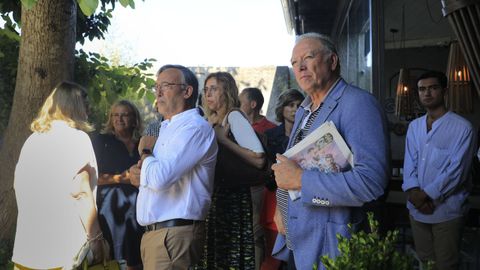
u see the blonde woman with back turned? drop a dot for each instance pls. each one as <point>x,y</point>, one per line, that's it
<point>54,182</point>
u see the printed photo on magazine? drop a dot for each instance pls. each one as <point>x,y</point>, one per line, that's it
<point>323,150</point>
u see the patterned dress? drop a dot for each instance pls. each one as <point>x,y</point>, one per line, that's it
<point>230,238</point>
<point>230,241</point>
<point>117,202</point>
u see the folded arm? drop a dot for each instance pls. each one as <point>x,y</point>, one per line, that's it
<point>247,146</point>
<point>458,167</point>
<point>253,158</point>
<point>182,153</point>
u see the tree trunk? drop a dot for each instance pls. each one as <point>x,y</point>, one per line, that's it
<point>46,57</point>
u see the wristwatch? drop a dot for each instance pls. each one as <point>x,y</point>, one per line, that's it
<point>146,151</point>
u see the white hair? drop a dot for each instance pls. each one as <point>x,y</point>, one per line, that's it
<point>328,44</point>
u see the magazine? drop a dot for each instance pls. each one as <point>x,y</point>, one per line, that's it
<point>323,150</point>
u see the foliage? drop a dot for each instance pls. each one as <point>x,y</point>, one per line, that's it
<point>107,83</point>
<point>88,7</point>
<point>94,26</point>
<point>9,30</point>
<point>89,25</point>
<point>368,251</point>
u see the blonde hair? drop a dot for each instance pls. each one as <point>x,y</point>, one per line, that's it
<point>230,92</point>
<point>138,126</point>
<point>68,103</point>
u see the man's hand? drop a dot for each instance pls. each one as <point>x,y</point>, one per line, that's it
<point>146,142</point>
<point>222,133</point>
<point>421,201</point>
<point>287,173</point>
<point>427,208</point>
<point>416,196</point>
<point>135,175</point>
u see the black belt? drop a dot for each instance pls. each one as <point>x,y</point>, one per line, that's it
<point>171,223</point>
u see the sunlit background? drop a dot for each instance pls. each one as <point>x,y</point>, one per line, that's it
<point>224,33</point>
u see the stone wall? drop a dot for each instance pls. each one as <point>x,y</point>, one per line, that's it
<point>271,80</point>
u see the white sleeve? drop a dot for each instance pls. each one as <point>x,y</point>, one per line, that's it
<point>244,133</point>
<point>162,170</point>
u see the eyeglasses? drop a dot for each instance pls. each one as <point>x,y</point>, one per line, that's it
<point>434,87</point>
<point>120,115</point>
<point>166,85</point>
<point>212,89</point>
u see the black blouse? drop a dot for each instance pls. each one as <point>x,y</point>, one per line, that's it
<point>112,154</point>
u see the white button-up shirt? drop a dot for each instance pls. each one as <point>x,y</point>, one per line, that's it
<point>438,162</point>
<point>177,181</point>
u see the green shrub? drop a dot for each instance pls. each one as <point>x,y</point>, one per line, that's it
<point>368,250</point>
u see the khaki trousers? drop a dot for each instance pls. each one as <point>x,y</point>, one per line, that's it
<point>439,242</point>
<point>173,248</point>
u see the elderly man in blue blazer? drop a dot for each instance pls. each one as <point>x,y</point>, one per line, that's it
<point>328,201</point>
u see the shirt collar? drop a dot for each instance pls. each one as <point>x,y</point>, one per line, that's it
<point>179,116</point>
<point>439,120</point>
<point>306,104</point>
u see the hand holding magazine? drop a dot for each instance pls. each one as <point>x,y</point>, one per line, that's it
<point>323,150</point>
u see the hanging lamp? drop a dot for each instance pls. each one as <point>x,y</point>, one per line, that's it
<point>459,90</point>
<point>403,99</point>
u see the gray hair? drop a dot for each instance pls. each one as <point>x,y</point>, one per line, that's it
<point>328,44</point>
<point>189,78</point>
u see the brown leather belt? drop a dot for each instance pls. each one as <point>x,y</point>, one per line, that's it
<point>171,223</point>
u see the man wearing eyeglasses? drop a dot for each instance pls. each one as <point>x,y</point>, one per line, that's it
<point>329,201</point>
<point>438,152</point>
<point>176,180</point>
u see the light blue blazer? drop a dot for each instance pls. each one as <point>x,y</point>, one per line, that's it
<point>312,225</point>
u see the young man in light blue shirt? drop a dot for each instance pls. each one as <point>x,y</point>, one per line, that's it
<point>438,152</point>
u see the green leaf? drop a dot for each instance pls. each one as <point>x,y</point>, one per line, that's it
<point>28,4</point>
<point>150,96</point>
<point>124,3</point>
<point>88,7</point>
<point>10,34</point>
<point>141,93</point>
<point>95,95</point>
<point>150,82</point>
